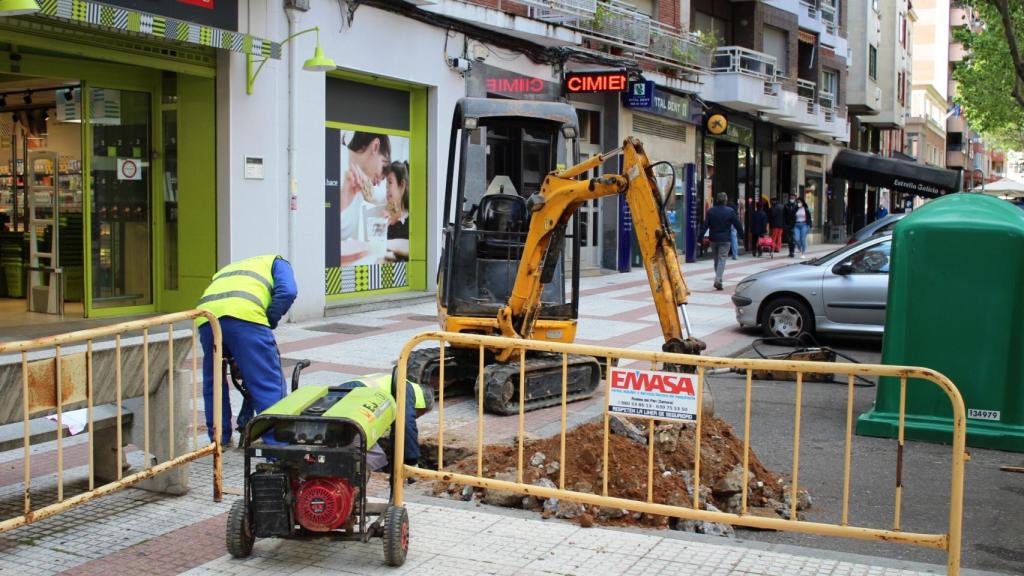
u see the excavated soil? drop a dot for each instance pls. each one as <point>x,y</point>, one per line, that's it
<point>721,471</point>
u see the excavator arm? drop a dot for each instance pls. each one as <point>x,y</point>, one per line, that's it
<point>559,198</point>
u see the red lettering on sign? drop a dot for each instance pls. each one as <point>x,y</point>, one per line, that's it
<point>641,381</point>
<point>595,82</point>
<point>208,4</point>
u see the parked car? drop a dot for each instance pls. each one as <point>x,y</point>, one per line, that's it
<point>844,291</point>
<point>880,226</point>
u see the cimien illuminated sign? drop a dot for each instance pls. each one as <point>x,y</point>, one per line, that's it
<point>610,81</point>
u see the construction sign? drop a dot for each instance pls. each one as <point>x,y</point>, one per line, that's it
<point>650,394</point>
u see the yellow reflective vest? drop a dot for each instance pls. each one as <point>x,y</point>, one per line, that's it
<point>383,381</point>
<point>241,290</point>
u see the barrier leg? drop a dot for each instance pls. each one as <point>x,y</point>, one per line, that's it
<point>174,481</point>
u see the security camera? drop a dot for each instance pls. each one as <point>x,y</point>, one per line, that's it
<point>460,64</point>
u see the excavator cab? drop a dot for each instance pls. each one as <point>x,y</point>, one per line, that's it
<point>498,158</point>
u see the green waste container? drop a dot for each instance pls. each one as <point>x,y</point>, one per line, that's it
<point>956,305</point>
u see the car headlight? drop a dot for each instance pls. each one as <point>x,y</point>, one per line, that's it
<point>744,286</point>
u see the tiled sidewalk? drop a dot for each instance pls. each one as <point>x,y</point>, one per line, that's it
<point>137,532</point>
<point>447,540</point>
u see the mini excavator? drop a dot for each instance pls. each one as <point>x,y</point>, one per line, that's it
<point>503,265</point>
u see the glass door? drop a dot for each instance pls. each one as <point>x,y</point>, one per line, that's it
<point>121,253</point>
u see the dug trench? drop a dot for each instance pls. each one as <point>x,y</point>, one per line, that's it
<point>720,487</point>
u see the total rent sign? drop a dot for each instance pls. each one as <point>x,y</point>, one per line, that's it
<point>649,394</point>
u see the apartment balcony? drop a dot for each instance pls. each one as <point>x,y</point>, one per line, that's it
<point>958,16</point>
<point>955,159</point>
<point>957,52</point>
<point>791,6</point>
<point>743,79</point>
<point>620,24</point>
<point>799,110</point>
<point>956,124</point>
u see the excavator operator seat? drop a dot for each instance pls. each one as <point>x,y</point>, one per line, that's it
<point>502,223</point>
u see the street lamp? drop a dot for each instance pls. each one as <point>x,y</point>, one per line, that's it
<point>318,63</point>
<point>18,7</point>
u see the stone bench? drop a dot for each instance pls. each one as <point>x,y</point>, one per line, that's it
<point>104,365</point>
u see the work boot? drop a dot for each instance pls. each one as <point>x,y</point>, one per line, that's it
<point>718,285</point>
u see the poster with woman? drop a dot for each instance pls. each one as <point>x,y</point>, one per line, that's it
<point>367,210</point>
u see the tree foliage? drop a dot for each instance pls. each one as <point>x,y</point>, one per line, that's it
<point>991,80</point>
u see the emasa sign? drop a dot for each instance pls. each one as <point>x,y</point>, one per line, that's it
<point>650,394</point>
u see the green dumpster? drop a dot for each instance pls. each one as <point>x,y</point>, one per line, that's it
<point>956,305</point>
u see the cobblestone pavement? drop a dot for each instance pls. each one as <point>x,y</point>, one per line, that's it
<point>139,532</point>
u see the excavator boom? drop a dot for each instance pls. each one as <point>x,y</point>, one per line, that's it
<point>560,196</point>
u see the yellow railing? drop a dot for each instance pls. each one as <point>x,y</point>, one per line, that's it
<point>34,388</point>
<point>948,541</point>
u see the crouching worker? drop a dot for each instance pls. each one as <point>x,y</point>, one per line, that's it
<point>248,298</point>
<point>418,401</point>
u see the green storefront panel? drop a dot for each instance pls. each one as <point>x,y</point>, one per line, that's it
<point>956,305</point>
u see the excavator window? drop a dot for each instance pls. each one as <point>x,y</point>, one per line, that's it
<point>502,161</point>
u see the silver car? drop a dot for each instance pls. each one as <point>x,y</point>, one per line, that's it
<point>844,291</point>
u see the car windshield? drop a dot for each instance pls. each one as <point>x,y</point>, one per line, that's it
<point>823,259</point>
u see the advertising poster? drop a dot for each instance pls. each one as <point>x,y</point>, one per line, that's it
<point>366,210</point>
<point>649,394</point>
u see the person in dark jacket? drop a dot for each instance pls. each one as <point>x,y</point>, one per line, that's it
<point>777,221</point>
<point>721,221</point>
<point>789,211</point>
<point>760,226</point>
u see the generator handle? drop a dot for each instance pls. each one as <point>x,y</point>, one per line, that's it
<point>295,373</point>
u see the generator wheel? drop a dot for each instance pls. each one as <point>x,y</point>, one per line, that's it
<point>239,536</point>
<point>396,535</point>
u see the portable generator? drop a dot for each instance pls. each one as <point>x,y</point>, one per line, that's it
<point>313,483</point>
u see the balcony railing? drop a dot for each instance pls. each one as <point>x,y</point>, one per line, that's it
<point>826,99</point>
<point>617,23</point>
<point>686,49</point>
<point>805,89</point>
<point>811,8</point>
<point>828,18</point>
<point>736,59</point>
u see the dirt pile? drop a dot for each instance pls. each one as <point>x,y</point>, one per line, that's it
<point>721,473</point>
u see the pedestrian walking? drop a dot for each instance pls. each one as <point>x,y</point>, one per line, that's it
<point>760,226</point>
<point>777,221</point>
<point>803,225</point>
<point>248,298</point>
<point>789,215</point>
<point>734,243</point>
<point>722,222</point>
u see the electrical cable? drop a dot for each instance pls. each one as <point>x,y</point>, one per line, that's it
<point>802,343</point>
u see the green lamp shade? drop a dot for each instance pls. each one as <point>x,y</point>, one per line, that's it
<point>18,7</point>
<point>318,63</point>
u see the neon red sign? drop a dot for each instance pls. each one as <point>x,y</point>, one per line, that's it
<point>515,85</point>
<point>595,82</point>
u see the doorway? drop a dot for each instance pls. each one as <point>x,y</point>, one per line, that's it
<point>76,186</point>
<point>42,221</point>
<point>589,213</point>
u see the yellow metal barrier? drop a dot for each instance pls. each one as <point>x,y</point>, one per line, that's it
<point>36,391</point>
<point>949,541</point>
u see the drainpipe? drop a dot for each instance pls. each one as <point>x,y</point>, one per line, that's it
<point>293,184</point>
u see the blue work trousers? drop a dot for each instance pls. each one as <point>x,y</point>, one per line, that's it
<point>255,352</point>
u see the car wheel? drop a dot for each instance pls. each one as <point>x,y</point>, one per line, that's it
<point>786,317</point>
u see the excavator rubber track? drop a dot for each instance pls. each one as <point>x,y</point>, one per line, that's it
<point>460,367</point>
<point>543,382</point>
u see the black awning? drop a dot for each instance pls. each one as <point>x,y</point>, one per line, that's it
<point>898,175</point>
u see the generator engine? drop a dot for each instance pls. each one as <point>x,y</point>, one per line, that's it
<point>323,504</point>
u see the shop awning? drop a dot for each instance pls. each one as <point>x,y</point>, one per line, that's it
<point>119,19</point>
<point>898,175</point>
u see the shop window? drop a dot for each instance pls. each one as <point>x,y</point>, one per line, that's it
<point>169,117</point>
<point>371,224</point>
<point>590,126</point>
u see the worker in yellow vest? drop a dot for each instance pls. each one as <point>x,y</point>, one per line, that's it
<point>249,298</point>
<point>418,401</point>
